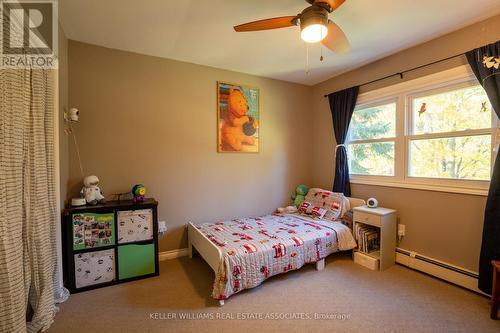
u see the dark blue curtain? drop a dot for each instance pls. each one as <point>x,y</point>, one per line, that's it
<point>342,104</point>
<point>485,63</point>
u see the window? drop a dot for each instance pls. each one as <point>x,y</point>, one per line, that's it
<point>372,134</point>
<point>451,134</point>
<point>436,133</point>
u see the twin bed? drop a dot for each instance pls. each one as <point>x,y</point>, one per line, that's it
<point>244,252</point>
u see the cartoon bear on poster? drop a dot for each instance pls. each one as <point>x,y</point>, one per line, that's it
<point>238,128</point>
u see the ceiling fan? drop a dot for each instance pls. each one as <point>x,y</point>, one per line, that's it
<point>315,26</point>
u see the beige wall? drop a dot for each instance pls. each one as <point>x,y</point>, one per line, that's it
<point>441,225</point>
<point>63,104</point>
<point>153,121</point>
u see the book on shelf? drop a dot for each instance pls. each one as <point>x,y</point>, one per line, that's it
<point>368,237</point>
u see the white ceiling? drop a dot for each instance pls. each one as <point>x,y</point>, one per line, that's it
<point>200,31</point>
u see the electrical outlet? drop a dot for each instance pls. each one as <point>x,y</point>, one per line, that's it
<point>401,230</point>
<point>162,227</point>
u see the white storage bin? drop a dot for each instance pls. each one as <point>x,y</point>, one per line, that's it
<point>94,267</point>
<point>135,225</point>
<point>366,260</point>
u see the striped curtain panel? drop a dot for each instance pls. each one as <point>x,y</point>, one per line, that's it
<point>27,196</point>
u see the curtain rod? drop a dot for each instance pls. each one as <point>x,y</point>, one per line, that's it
<point>400,74</point>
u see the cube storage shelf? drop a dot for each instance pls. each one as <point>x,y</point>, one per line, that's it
<point>109,244</point>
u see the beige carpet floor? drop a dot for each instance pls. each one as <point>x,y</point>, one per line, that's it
<point>349,298</point>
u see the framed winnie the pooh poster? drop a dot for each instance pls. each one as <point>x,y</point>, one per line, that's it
<point>237,118</point>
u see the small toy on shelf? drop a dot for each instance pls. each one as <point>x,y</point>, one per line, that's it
<point>91,191</point>
<point>118,196</point>
<point>138,193</point>
<point>299,195</point>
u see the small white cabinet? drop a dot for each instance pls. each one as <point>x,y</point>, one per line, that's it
<point>385,220</point>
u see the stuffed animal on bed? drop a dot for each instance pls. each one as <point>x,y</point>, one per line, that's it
<point>238,128</point>
<point>287,210</point>
<point>299,195</point>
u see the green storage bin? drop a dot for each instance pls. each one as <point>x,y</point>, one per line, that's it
<point>135,260</point>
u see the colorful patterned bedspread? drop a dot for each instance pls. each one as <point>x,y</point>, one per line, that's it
<point>256,248</point>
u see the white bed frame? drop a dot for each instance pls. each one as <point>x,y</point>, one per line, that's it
<point>212,253</point>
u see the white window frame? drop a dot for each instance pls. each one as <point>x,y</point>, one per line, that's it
<point>371,104</point>
<point>404,93</point>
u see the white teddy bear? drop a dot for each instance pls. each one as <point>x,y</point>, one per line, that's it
<point>287,210</point>
<point>91,192</point>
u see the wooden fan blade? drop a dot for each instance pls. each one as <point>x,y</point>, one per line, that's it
<point>336,39</point>
<point>334,4</point>
<point>272,23</point>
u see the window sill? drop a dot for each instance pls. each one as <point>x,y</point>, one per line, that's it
<point>420,186</point>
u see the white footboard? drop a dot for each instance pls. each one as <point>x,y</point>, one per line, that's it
<point>208,250</point>
<point>320,265</point>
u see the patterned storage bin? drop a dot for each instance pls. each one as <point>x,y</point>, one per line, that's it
<point>92,230</point>
<point>94,267</point>
<point>135,225</point>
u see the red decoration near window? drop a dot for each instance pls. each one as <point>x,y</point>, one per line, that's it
<point>423,108</point>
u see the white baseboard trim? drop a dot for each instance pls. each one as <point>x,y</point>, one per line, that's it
<point>167,255</point>
<point>440,269</point>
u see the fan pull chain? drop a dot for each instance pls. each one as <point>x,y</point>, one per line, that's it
<point>321,45</point>
<point>307,60</point>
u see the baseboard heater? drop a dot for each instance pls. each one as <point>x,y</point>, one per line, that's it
<point>442,270</point>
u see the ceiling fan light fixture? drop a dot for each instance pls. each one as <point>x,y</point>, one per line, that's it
<point>314,33</point>
<point>313,24</point>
